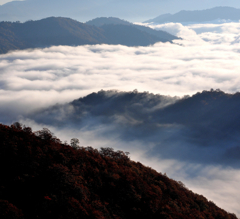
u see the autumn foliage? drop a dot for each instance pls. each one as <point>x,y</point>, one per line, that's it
<point>44,178</point>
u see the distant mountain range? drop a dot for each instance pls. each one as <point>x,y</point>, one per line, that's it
<point>65,31</point>
<point>131,10</point>
<point>213,14</point>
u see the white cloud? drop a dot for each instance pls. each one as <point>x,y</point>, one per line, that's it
<point>219,33</point>
<point>163,68</point>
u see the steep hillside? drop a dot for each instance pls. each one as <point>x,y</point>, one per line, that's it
<point>43,178</point>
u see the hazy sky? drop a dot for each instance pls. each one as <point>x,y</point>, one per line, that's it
<point>6,1</point>
<point>3,2</point>
<point>184,3</point>
<point>207,57</point>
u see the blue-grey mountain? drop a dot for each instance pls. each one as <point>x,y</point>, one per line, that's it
<point>203,128</point>
<point>199,16</point>
<point>103,21</point>
<point>65,31</point>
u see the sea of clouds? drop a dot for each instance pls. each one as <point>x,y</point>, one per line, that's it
<point>208,56</point>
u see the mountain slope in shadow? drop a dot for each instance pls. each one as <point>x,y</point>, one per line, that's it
<point>55,31</point>
<point>59,181</point>
<point>206,121</point>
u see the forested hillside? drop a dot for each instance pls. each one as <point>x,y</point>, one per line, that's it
<point>54,31</point>
<point>43,178</point>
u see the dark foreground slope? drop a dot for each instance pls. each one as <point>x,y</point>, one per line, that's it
<point>56,31</point>
<point>43,178</point>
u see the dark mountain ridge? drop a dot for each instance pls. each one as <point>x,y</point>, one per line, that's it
<point>198,16</point>
<point>48,32</point>
<point>65,31</point>
<point>207,121</point>
<point>43,178</point>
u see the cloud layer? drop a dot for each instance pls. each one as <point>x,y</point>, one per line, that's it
<point>207,57</point>
<point>60,74</point>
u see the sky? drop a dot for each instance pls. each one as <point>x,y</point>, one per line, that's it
<point>2,2</point>
<point>206,58</point>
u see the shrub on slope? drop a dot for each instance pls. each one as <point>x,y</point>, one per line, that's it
<point>43,178</point>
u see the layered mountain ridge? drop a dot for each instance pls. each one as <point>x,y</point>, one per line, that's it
<point>207,121</point>
<point>55,31</point>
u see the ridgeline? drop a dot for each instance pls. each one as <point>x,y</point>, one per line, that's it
<point>55,31</point>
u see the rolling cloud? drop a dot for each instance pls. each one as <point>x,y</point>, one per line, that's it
<point>60,74</point>
<point>208,57</point>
